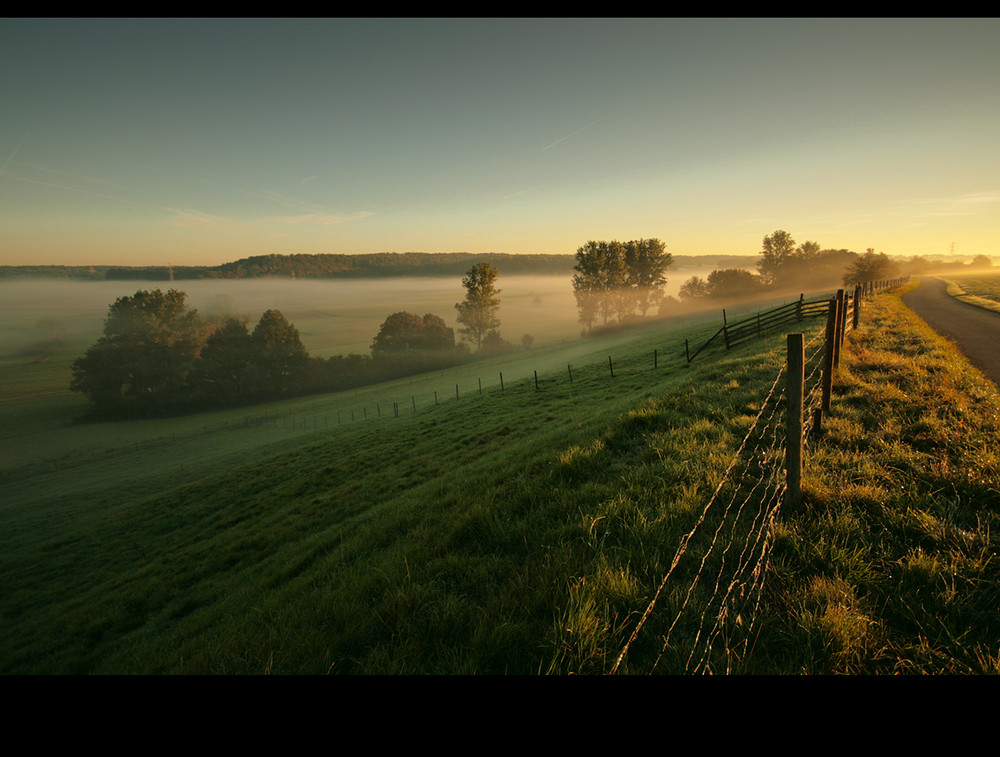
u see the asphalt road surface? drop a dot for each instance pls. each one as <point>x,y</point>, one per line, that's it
<point>976,332</point>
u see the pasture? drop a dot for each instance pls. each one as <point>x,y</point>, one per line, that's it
<point>514,530</point>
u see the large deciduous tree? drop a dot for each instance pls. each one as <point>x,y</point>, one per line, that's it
<point>226,367</point>
<point>150,342</point>
<point>725,284</point>
<point>278,352</point>
<point>871,266</point>
<point>406,333</point>
<point>478,311</point>
<point>646,262</point>
<point>777,250</point>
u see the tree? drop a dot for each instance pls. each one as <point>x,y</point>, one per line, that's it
<point>728,283</point>
<point>646,262</point>
<point>226,367</point>
<point>776,251</point>
<point>870,267</point>
<point>694,288</point>
<point>278,353</point>
<point>403,333</point>
<point>151,341</point>
<point>599,281</point>
<point>732,283</point>
<point>478,311</point>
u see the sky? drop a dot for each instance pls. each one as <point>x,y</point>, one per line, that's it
<point>201,141</point>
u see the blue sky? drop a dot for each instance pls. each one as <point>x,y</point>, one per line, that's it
<point>197,141</point>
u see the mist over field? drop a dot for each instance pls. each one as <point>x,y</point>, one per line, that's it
<point>333,316</point>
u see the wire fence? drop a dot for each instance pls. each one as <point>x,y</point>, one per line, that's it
<point>710,597</point>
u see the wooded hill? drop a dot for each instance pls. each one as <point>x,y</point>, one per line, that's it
<point>375,265</point>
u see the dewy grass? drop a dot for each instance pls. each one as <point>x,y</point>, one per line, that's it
<point>519,531</point>
<point>901,508</point>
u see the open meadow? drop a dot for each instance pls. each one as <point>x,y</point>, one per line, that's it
<point>427,526</point>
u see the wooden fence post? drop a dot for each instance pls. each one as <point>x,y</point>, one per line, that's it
<point>857,307</point>
<point>611,367</point>
<point>843,325</point>
<point>725,328</point>
<point>793,432</point>
<point>837,336</point>
<point>828,357</point>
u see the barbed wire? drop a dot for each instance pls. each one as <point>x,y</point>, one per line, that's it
<point>753,488</point>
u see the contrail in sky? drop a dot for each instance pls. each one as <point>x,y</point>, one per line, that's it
<point>573,134</point>
<point>11,156</point>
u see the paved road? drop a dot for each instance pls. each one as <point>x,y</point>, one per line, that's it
<point>975,331</point>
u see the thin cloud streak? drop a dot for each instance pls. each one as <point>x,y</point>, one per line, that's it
<point>11,156</point>
<point>573,134</point>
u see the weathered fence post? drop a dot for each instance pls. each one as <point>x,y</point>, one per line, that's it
<point>828,357</point>
<point>687,351</point>
<point>857,306</point>
<point>611,367</point>
<point>655,366</point>
<point>843,323</point>
<point>793,432</point>
<point>501,381</point>
<point>536,381</point>
<point>837,326</point>
<point>725,328</point>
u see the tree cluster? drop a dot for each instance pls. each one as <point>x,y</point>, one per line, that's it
<point>156,354</point>
<point>871,266</point>
<point>616,280</point>
<point>785,265</point>
<point>725,284</point>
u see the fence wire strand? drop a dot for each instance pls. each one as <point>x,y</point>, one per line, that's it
<point>728,578</point>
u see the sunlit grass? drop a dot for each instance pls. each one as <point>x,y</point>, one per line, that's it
<point>515,531</point>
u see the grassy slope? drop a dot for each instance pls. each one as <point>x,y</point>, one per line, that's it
<point>519,532</point>
<point>137,555</point>
<point>891,564</point>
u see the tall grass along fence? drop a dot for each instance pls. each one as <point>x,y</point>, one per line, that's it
<point>707,603</point>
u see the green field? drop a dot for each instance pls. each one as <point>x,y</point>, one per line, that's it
<point>981,289</point>
<point>514,531</point>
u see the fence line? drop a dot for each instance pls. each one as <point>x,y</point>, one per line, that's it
<point>749,503</point>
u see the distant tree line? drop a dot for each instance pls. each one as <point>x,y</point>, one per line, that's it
<point>786,266</point>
